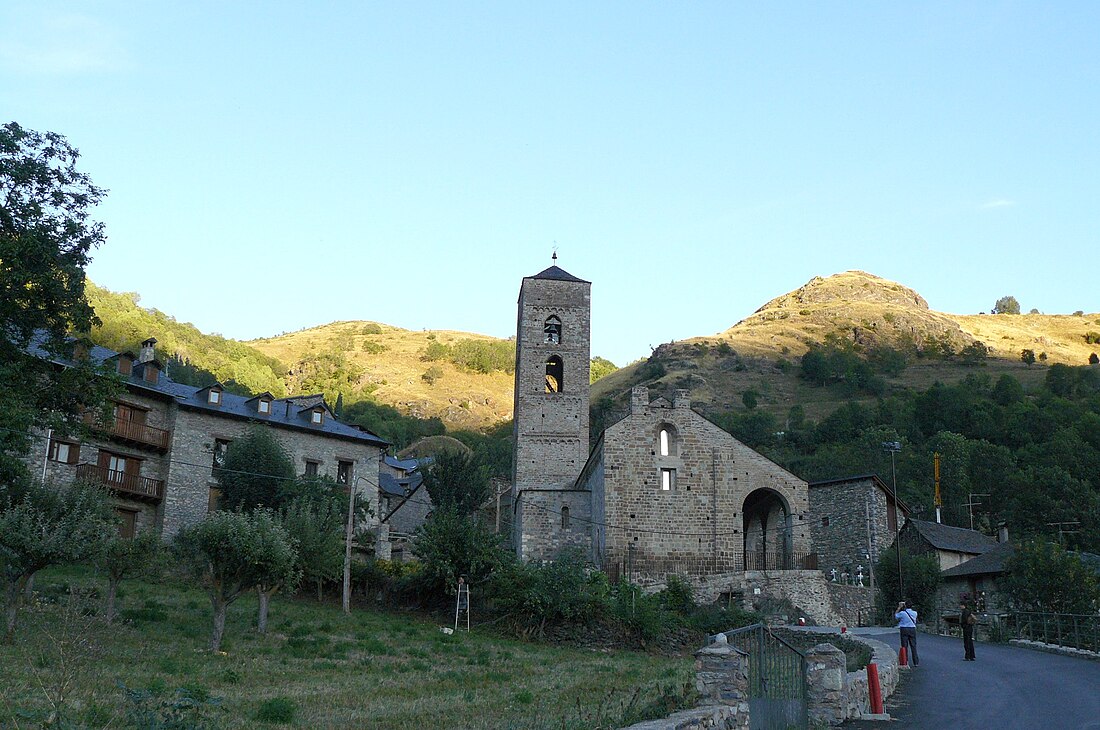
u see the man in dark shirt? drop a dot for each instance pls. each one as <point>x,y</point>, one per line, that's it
<point>968,620</point>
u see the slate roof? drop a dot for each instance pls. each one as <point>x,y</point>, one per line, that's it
<point>988,563</point>
<point>402,464</point>
<point>557,274</point>
<point>957,539</point>
<point>290,412</point>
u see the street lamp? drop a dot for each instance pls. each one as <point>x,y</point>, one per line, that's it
<point>894,447</point>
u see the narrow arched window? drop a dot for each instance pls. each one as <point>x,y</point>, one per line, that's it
<point>552,330</point>
<point>565,518</point>
<point>555,370</point>
<point>664,439</point>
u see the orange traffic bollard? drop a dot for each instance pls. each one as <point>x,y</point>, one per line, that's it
<point>874,688</point>
<point>903,657</point>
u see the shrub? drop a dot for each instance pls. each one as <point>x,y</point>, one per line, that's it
<point>537,594</point>
<point>279,710</point>
<point>1092,338</point>
<point>372,329</point>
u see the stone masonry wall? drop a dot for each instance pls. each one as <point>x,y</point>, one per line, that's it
<point>837,695</point>
<point>190,478</point>
<point>854,604</point>
<point>697,527</point>
<point>857,528</point>
<point>721,676</point>
<point>806,589</point>
<point>540,512</point>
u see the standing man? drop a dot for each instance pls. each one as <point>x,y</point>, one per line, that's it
<point>907,624</point>
<point>968,620</point>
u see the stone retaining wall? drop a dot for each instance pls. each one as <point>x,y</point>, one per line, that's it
<point>837,695</point>
<point>855,604</point>
<point>721,676</point>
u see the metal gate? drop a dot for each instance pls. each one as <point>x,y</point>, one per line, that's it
<point>777,679</point>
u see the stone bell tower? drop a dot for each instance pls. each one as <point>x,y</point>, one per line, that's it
<point>551,414</point>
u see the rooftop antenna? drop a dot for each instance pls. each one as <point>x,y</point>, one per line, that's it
<point>554,258</point>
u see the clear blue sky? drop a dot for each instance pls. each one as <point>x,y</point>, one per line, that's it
<point>278,165</point>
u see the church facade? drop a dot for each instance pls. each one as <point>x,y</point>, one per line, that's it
<point>663,491</point>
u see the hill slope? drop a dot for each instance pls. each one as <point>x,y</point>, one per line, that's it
<point>388,364</point>
<point>761,352</point>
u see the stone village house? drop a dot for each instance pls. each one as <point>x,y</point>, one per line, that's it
<point>854,520</point>
<point>664,491</point>
<point>167,439</point>
<point>403,506</point>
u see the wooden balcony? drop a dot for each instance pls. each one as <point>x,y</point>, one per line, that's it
<point>130,485</point>
<point>135,433</point>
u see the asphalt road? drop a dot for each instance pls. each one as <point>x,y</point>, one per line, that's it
<point>1007,688</point>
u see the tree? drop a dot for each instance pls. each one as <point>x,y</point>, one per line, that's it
<point>255,470</point>
<point>449,545</point>
<point>1006,305</point>
<point>600,367</point>
<point>278,565</point>
<point>230,553</point>
<point>1042,576</point>
<point>123,557</point>
<point>45,238</point>
<point>317,526</point>
<point>48,525</point>
<point>457,480</point>
<point>749,398</point>
<point>1028,357</point>
<point>922,580</point>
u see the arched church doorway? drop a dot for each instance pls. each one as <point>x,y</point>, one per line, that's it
<point>768,527</point>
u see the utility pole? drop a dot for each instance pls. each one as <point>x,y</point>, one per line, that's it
<point>894,447</point>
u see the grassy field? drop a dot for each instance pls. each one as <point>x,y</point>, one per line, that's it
<point>316,668</point>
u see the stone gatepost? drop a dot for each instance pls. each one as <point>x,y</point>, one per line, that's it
<point>826,671</point>
<point>722,678</point>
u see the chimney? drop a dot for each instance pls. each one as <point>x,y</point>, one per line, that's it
<point>148,350</point>
<point>1002,532</point>
<point>681,399</point>
<point>639,399</point>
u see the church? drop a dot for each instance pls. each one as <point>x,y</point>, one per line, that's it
<point>663,491</point>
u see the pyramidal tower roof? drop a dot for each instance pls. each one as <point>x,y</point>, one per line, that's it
<point>557,273</point>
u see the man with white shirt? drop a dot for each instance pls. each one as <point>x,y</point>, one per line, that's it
<point>907,624</point>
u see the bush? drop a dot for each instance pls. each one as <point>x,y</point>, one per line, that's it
<point>537,594</point>
<point>280,710</point>
<point>450,545</point>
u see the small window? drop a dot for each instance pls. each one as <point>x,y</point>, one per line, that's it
<point>343,472</point>
<point>63,452</point>
<point>311,467</point>
<point>214,397</point>
<point>317,416</point>
<point>664,442</point>
<point>221,447</point>
<point>668,480</point>
<point>555,370</point>
<point>552,330</point>
<point>824,521</point>
<point>565,518</point>
<point>125,365</point>
<point>151,373</point>
<point>263,406</point>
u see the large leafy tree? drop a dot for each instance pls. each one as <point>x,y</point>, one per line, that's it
<point>1006,305</point>
<point>256,471</point>
<point>46,235</point>
<point>1042,576</point>
<point>457,480</point>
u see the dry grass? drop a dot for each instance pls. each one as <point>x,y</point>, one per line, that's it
<point>461,399</point>
<point>371,669</point>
